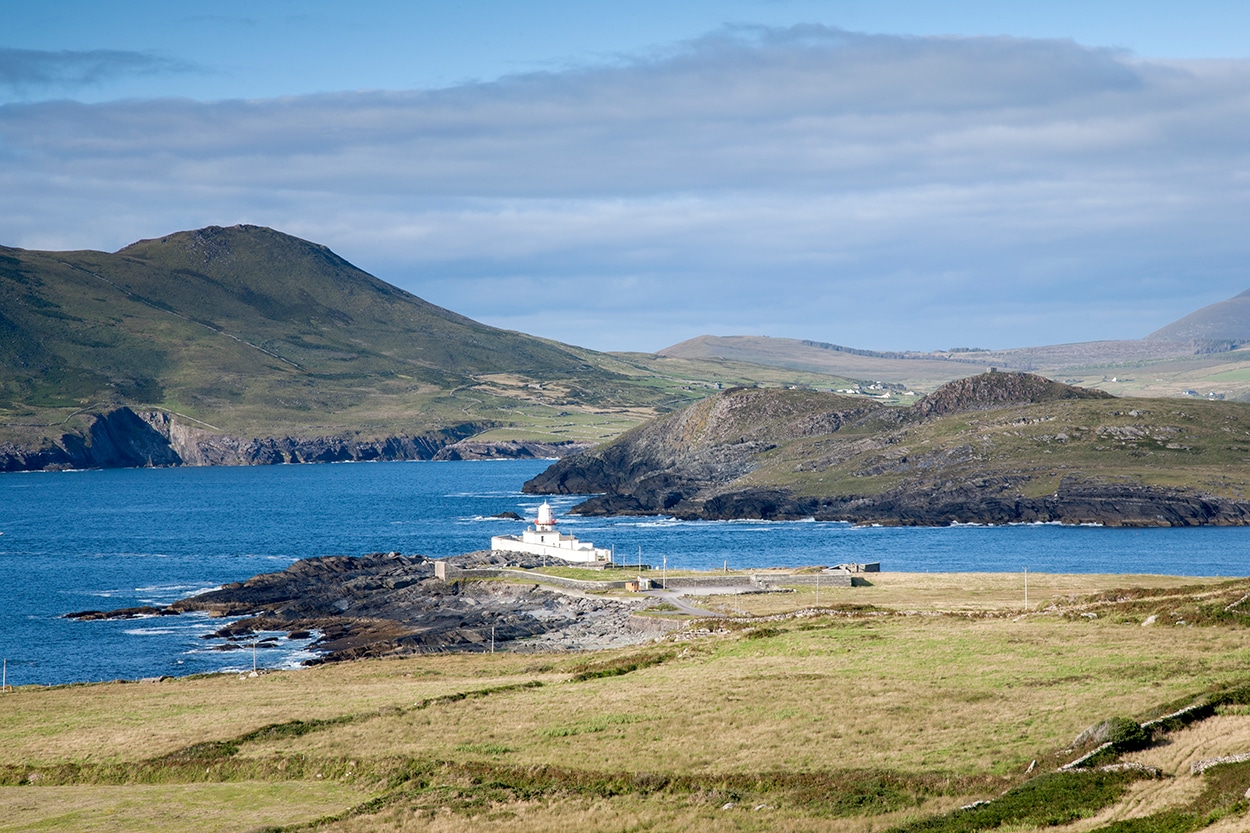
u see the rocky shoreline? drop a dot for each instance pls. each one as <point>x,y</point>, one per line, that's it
<point>388,604</point>
<point>1105,504</point>
<point>124,438</point>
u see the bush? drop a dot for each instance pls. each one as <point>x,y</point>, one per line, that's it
<point>1127,735</point>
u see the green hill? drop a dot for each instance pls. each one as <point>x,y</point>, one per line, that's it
<point>994,448</point>
<point>235,324</point>
<point>250,334</point>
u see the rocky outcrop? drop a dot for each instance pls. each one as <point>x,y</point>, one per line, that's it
<point>999,390</point>
<point>116,439</point>
<point>387,604</point>
<point>200,447</point>
<point>969,453</point>
<point>664,465</point>
<point>123,438</point>
<point>509,450</point>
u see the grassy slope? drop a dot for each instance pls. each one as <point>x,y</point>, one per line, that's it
<point>259,333</point>
<point>1165,442</point>
<point>834,721</point>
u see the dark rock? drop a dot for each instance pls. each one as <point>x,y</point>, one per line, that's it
<point>508,516</point>
<point>387,603</point>
<point>509,450</point>
<point>122,613</point>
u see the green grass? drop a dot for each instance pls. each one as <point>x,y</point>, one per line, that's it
<point>865,718</point>
<point>1047,801</point>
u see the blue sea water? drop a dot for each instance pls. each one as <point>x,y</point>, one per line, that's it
<point>122,538</point>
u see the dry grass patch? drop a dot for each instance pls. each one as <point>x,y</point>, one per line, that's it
<point>189,807</point>
<point>948,592</point>
<point>131,721</point>
<point>906,693</point>
<point>619,813</point>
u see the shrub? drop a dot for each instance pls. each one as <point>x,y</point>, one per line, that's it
<point>1126,734</point>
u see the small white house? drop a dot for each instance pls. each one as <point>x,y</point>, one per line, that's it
<point>544,539</point>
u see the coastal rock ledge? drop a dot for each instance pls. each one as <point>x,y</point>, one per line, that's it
<point>124,438</point>
<point>388,604</point>
<point>997,448</point>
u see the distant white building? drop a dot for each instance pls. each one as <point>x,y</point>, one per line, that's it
<point>544,539</point>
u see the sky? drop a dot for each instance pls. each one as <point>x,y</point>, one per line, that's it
<point>883,175</point>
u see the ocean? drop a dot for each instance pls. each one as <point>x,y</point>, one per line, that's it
<point>83,540</point>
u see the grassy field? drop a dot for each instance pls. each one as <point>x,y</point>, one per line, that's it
<point>883,707</point>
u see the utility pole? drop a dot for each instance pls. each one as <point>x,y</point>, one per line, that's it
<point>492,639</point>
<point>1026,588</point>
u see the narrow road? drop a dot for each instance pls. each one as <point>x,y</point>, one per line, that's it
<point>678,601</point>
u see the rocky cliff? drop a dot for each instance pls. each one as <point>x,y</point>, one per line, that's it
<point>996,448</point>
<point>123,438</point>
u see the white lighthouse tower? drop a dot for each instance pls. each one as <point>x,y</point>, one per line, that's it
<point>544,539</point>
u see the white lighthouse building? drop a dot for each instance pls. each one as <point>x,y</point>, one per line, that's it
<point>544,539</point>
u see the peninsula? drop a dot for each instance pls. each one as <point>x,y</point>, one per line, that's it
<point>993,448</point>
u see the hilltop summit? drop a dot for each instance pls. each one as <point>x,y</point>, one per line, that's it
<point>990,391</point>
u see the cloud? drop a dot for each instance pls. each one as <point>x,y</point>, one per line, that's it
<point>25,71</point>
<point>873,190</point>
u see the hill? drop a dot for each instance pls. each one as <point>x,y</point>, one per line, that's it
<point>1226,321</point>
<point>997,448</point>
<point>912,369</point>
<point>243,344</point>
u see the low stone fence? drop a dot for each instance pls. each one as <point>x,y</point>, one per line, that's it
<point>1199,767</point>
<point>678,582</point>
<point>806,579</point>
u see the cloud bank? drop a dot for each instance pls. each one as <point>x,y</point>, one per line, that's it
<point>879,191</point>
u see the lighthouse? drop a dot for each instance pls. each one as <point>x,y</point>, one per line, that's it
<point>544,539</point>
